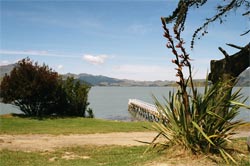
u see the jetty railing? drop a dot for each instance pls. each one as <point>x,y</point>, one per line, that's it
<point>142,110</point>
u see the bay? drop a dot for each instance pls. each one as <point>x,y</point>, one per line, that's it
<point>112,102</point>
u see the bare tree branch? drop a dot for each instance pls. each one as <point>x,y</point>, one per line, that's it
<point>235,46</point>
<point>245,33</point>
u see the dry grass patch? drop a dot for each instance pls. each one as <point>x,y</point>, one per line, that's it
<point>177,156</point>
<point>245,127</point>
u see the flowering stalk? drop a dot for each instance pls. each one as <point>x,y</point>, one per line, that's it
<point>181,60</point>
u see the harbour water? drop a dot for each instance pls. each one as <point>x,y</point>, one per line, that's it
<point>112,102</point>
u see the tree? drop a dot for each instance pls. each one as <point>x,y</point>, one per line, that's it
<point>77,97</point>
<point>35,89</point>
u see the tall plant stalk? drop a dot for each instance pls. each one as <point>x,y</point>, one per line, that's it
<point>181,60</point>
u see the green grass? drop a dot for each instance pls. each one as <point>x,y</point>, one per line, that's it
<point>116,156</point>
<point>17,125</point>
<point>95,155</point>
<point>90,155</point>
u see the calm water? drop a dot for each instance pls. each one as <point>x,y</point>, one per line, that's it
<point>112,102</point>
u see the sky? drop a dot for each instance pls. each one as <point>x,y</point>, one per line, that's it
<point>116,38</point>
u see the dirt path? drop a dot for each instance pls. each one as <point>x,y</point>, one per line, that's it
<point>45,142</point>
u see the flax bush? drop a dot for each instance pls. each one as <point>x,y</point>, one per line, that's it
<point>207,131</point>
<point>200,122</point>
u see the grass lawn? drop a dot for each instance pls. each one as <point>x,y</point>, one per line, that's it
<point>99,155</point>
<point>89,156</point>
<point>116,156</point>
<point>17,125</point>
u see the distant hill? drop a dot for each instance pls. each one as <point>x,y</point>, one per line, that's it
<point>6,69</point>
<point>94,80</point>
<point>244,78</point>
<point>99,80</point>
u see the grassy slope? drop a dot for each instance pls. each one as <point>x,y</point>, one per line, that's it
<point>16,125</point>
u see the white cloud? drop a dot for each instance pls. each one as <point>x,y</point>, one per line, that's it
<point>96,60</point>
<point>151,72</point>
<point>59,67</point>
<point>4,62</point>
<point>35,52</point>
<point>144,72</point>
<point>138,28</point>
<point>139,68</point>
<point>21,52</point>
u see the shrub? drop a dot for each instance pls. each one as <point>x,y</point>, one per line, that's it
<point>35,89</point>
<point>38,91</point>
<point>207,131</point>
<point>76,96</point>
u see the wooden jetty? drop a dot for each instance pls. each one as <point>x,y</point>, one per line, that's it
<point>143,111</point>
